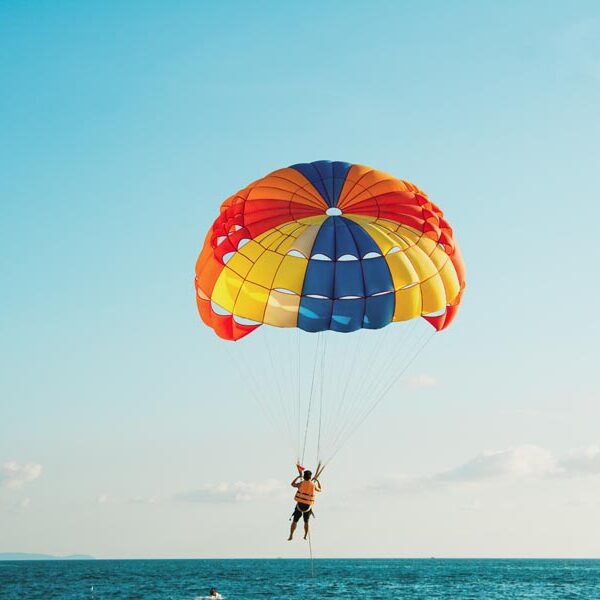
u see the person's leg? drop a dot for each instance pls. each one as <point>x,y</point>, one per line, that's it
<point>295,518</point>
<point>292,529</point>
<point>306,520</point>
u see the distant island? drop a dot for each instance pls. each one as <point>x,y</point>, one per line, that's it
<point>30,556</point>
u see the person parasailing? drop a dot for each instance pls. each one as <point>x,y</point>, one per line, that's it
<point>307,486</point>
<point>327,248</point>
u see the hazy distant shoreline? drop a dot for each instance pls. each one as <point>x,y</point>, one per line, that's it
<point>33,556</point>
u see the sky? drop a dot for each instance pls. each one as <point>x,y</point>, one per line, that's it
<point>125,430</point>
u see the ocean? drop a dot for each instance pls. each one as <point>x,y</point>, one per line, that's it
<point>239,579</point>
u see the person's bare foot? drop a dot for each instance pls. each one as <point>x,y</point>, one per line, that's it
<point>290,539</point>
<point>305,537</point>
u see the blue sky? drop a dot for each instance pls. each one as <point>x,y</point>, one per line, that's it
<point>125,125</point>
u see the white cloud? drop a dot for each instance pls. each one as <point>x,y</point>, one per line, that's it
<point>422,381</point>
<point>240,491</point>
<point>106,499</point>
<point>580,502</point>
<point>14,476</point>
<point>581,461</point>
<point>523,461</point>
<point>143,500</point>
<point>518,463</point>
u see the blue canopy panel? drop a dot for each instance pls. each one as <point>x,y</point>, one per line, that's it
<point>318,279</point>
<point>379,311</point>
<point>343,290</point>
<point>349,279</point>
<point>324,244</point>
<point>345,246</point>
<point>326,176</point>
<point>314,314</point>
<point>348,315</point>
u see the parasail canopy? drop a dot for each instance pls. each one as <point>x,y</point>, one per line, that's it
<point>328,246</point>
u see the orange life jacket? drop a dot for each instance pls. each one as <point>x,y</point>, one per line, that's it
<point>305,493</point>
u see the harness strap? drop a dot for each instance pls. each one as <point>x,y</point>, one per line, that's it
<point>310,509</point>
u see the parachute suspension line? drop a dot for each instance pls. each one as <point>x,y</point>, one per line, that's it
<point>246,376</point>
<point>299,372</point>
<point>323,355</point>
<point>365,348</point>
<point>410,353</point>
<point>380,397</point>
<point>376,360</point>
<point>283,405</point>
<point>422,343</point>
<point>285,356</point>
<point>320,469</point>
<point>344,369</point>
<point>381,367</point>
<point>292,358</point>
<point>370,354</point>
<point>406,345</point>
<point>362,410</point>
<point>310,398</point>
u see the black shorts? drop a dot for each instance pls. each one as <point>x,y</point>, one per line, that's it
<point>302,510</point>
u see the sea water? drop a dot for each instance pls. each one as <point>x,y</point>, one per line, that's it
<point>239,579</point>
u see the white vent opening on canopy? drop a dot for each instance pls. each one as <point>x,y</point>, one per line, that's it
<point>333,211</point>
<point>243,321</point>
<point>296,253</point>
<point>437,313</point>
<point>320,257</point>
<point>219,309</point>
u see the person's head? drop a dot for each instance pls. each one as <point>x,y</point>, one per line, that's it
<point>307,475</point>
<point>213,591</point>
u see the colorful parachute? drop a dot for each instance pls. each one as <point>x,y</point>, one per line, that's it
<point>328,246</point>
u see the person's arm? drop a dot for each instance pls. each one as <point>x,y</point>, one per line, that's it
<point>295,483</point>
<point>317,485</point>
